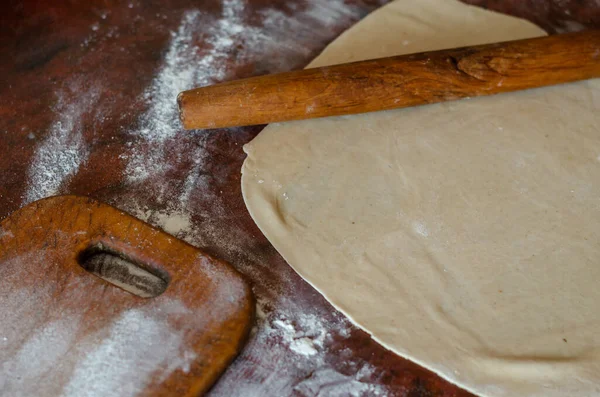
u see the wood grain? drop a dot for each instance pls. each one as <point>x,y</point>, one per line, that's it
<point>206,301</point>
<point>394,82</point>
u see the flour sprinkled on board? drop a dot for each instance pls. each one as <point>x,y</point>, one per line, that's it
<point>24,357</point>
<point>175,222</point>
<point>126,361</point>
<point>59,156</point>
<point>38,342</point>
<point>291,339</point>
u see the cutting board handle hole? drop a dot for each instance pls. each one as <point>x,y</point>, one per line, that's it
<point>119,270</point>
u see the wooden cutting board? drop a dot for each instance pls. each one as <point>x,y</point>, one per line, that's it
<point>67,331</point>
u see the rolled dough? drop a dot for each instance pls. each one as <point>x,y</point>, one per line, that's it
<point>463,236</point>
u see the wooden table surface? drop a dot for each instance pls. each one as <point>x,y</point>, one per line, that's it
<point>88,107</point>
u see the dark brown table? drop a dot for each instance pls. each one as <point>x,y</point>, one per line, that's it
<point>87,107</point>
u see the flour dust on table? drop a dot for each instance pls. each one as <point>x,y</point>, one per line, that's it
<point>291,339</point>
<point>63,150</point>
<point>464,235</point>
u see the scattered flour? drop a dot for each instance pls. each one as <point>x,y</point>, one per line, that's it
<point>118,360</point>
<point>184,67</point>
<point>23,373</point>
<point>62,152</point>
<point>6,233</point>
<point>291,339</point>
<point>305,338</point>
<point>126,361</point>
<point>329,383</point>
<point>175,222</point>
<point>160,123</point>
<point>303,346</point>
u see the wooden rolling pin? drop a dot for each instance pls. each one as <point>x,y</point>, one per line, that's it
<point>394,82</point>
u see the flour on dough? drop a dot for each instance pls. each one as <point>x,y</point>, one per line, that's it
<point>463,236</point>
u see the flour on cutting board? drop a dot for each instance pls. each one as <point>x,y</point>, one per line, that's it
<point>118,361</point>
<point>26,357</point>
<point>25,371</point>
<point>126,361</point>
